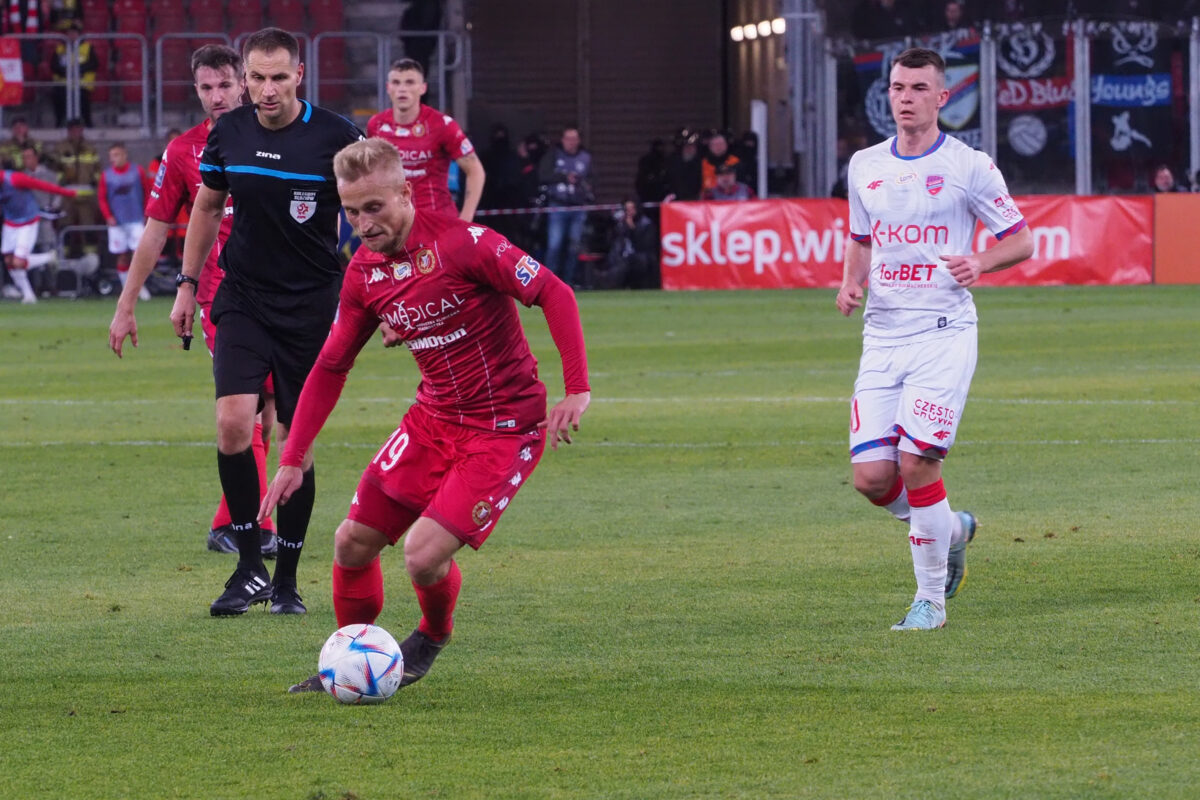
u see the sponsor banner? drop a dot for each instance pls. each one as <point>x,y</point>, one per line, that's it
<point>1174,250</point>
<point>1131,93</point>
<point>11,73</point>
<point>757,244</point>
<point>800,243</point>
<point>1081,241</point>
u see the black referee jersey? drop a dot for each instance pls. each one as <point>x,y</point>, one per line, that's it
<point>285,200</point>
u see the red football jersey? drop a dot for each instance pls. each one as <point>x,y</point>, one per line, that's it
<point>174,189</point>
<point>427,147</point>
<point>449,294</point>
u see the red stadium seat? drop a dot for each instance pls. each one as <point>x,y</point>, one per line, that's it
<point>103,92</point>
<point>287,14</point>
<point>245,16</point>
<point>98,21</point>
<point>332,60</point>
<point>325,15</point>
<point>130,70</point>
<point>171,20</point>
<point>133,23</point>
<point>93,5</point>
<point>123,9</point>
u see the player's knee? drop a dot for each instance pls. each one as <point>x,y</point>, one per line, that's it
<point>354,545</point>
<point>874,480</point>
<point>425,565</point>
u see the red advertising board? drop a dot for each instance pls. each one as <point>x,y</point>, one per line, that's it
<point>792,244</point>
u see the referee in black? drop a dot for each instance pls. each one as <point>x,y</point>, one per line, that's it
<point>280,292</point>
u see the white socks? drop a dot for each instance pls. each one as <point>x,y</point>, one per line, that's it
<point>933,525</point>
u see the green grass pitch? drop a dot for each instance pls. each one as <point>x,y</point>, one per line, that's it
<point>689,602</point>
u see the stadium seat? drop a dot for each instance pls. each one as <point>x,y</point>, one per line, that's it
<point>129,72</point>
<point>245,16</point>
<point>287,14</point>
<point>332,60</point>
<point>97,21</point>
<point>133,23</point>
<point>208,16</point>
<point>123,9</point>
<point>169,20</point>
<point>325,15</point>
<point>103,92</point>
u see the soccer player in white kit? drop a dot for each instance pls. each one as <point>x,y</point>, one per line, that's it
<point>914,202</point>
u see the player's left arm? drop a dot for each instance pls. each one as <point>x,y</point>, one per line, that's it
<point>988,197</point>
<point>475,176</point>
<point>508,269</point>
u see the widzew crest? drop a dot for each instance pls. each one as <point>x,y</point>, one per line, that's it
<point>425,261</point>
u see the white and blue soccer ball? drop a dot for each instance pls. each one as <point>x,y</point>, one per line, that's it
<point>361,664</point>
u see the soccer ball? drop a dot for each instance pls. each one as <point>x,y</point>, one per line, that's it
<point>361,664</point>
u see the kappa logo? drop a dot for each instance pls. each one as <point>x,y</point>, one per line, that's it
<point>475,232</point>
<point>385,128</point>
<point>425,261</point>
<point>377,275</point>
<point>401,270</point>
<point>515,480</point>
<point>873,185</point>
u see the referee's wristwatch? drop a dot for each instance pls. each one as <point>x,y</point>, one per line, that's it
<point>181,279</point>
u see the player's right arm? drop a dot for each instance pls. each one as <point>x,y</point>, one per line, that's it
<point>856,267</point>
<point>124,323</point>
<point>203,227</point>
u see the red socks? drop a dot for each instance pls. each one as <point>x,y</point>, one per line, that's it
<point>437,604</point>
<point>357,593</point>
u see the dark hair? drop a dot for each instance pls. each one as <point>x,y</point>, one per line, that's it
<point>114,145</point>
<point>917,57</point>
<point>406,64</point>
<point>217,57</point>
<point>268,40</point>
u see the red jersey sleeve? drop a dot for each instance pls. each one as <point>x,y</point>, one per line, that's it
<point>454,142</point>
<point>352,329</point>
<point>509,269</point>
<point>169,192</point>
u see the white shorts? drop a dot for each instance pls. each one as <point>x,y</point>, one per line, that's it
<point>911,397</point>
<point>19,239</point>
<point>123,238</point>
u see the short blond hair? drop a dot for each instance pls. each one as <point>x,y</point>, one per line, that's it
<point>355,161</point>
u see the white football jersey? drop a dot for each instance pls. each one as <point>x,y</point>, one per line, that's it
<point>912,210</point>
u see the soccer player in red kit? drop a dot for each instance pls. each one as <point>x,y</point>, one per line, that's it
<point>479,423</point>
<point>220,83</point>
<point>428,141</point>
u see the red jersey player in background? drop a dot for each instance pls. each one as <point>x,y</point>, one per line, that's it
<point>220,83</point>
<point>479,423</point>
<point>428,141</point>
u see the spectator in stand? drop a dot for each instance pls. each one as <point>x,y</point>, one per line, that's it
<point>954,17</point>
<point>1017,10</point>
<point>10,151</point>
<point>568,176</point>
<point>123,191</point>
<point>64,14</point>
<point>1164,181</point>
<point>839,188</point>
<point>80,166</point>
<point>684,175</point>
<point>718,155</point>
<point>88,65</point>
<point>652,182</point>
<point>745,150</point>
<point>632,260</point>
<point>503,186</point>
<point>728,187</point>
<point>886,19</point>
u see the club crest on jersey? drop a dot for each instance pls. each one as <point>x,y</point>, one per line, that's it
<point>401,270</point>
<point>934,183</point>
<point>418,129</point>
<point>303,205</point>
<point>527,270</point>
<point>425,261</point>
<point>481,512</point>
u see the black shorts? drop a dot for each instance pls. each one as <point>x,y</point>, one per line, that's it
<point>248,349</point>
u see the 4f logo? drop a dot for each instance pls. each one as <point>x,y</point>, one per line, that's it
<point>873,185</point>
<point>941,435</point>
<point>919,542</point>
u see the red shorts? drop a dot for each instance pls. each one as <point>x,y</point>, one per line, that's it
<point>209,331</point>
<point>461,478</point>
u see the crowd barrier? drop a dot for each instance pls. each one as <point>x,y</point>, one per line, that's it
<point>800,243</point>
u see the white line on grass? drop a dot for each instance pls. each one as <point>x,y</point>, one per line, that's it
<point>1020,401</point>
<point>641,445</point>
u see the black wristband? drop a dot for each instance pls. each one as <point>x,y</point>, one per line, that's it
<point>181,279</point>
